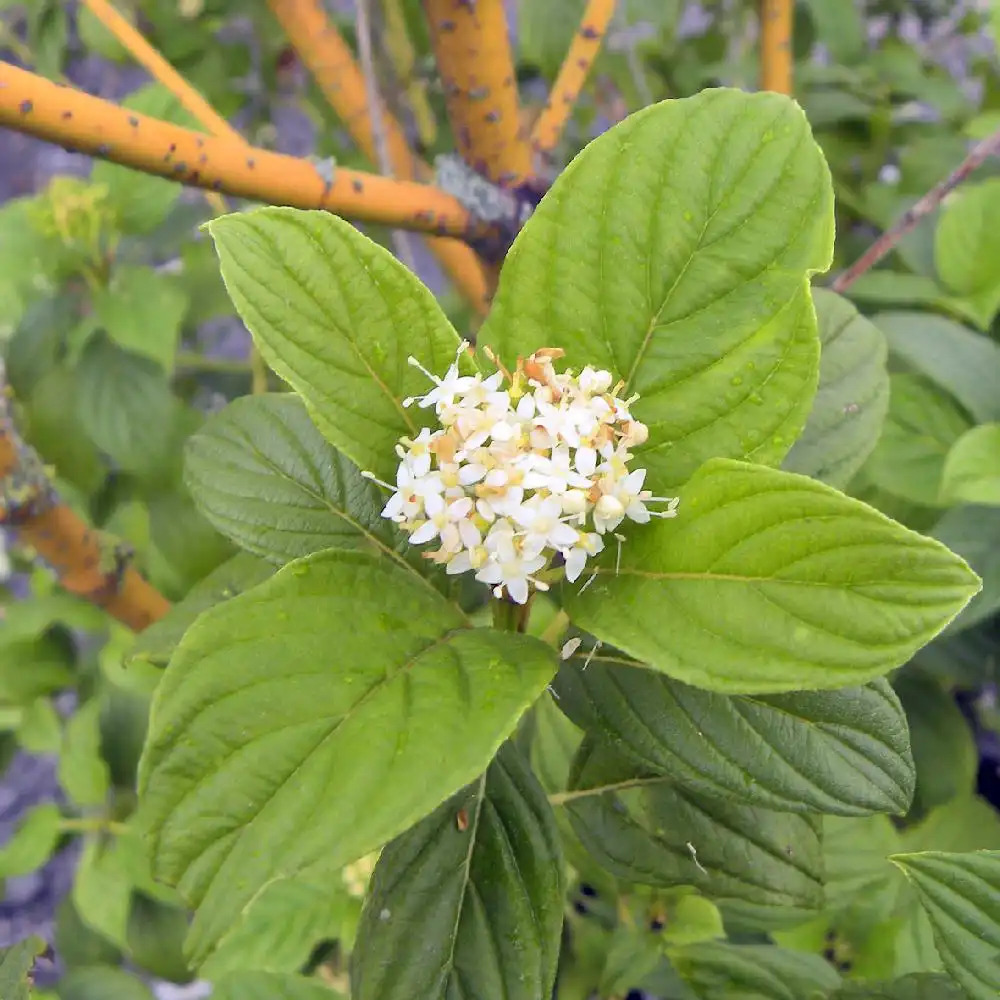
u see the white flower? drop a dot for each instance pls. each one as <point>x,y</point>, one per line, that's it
<point>519,475</point>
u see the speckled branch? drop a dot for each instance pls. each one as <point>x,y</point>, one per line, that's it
<point>572,75</point>
<point>85,563</point>
<point>31,104</point>
<point>472,49</point>
<point>776,45</point>
<point>329,59</point>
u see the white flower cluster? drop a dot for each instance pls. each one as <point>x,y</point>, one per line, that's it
<point>524,467</point>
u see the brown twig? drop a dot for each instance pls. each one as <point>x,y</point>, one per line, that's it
<point>339,77</point>
<point>573,73</point>
<point>930,201</point>
<point>476,67</point>
<point>31,104</point>
<point>85,563</point>
<point>776,45</point>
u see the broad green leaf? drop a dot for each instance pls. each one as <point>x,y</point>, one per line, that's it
<point>966,823</point>
<point>83,773</point>
<point>675,251</point>
<point>278,930</point>
<point>961,895</point>
<point>323,712</point>
<point>102,982</point>
<point>33,841</point>
<point>772,582</point>
<point>922,425</point>
<point>965,363</point>
<point>762,866</point>
<point>16,963</point>
<point>852,399</point>
<point>718,971</point>
<point>843,752</point>
<point>900,288</point>
<point>967,246</point>
<point>125,405</point>
<point>843,36</point>
<point>336,316</point>
<point>102,890</point>
<point>40,728</point>
<point>253,985</point>
<point>482,879</point>
<point>266,478</point>
<point>944,749</point>
<point>141,311</point>
<point>972,467</point>
<point>30,619</point>
<point>241,572</point>
<point>974,533</point>
<point>76,944</point>
<point>554,742</point>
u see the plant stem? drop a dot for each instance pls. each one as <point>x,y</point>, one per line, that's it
<point>508,616</point>
<point>95,824</point>
<point>776,45</point>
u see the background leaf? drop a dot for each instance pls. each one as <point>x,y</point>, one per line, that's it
<point>974,533</point>
<point>763,866</point>
<point>16,963</point>
<point>347,673</point>
<point>844,752</point>
<point>32,842</point>
<point>674,251</point>
<point>272,986</point>
<point>915,987</point>
<point>102,982</point>
<point>482,879</point>
<point>961,894</point>
<point>336,316</point>
<point>920,429</point>
<point>767,582</point>
<point>972,467</point>
<point>853,395</point>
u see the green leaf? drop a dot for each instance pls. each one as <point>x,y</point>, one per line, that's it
<point>554,743</point>
<point>482,879</point>
<point>922,425</point>
<point>966,823</point>
<point>32,843</point>
<point>844,752</point>
<point>30,619</point>
<point>243,571</point>
<point>40,728</point>
<point>974,533</point>
<point>772,582</point>
<point>964,363</point>
<point>961,895</point>
<point>336,315</point>
<point>844,36</point>
<point>967,246</point>
<point>675,251</point>
<point>718,971</point>
<point>916,987</point>
<point>858,880</point>
<point>278,930</point>
<point>343,672</point>
<point>29,670</point>
<point>102,890</point>
<point>83,773</point>
<point>944,749</point>
<point>125,405</point>
<point>266,478</point>
<point>885,288</point>
<point>853,396</point>
<point>762,866</point>
<point>141,310</point>
<point>271,986</point>
<point>16,963</point>
<point>102,982</point>
<point>972,467</point>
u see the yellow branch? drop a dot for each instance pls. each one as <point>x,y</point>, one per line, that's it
<point>329,59</point>
<point>36,106</point>
<point>583,51</point>
<point>776,45</point>
<point>476,67</point>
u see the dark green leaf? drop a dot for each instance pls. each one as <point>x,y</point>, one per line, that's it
<point>155,936</point>
<point>764,867</point>
<point>272,986</point>
<point>974,533</point>
<point>844,752</point>
<point>482,879</point>
<point>916,987</point>
<point>16,963</point>
<point>32,843</point>
<point>102,982</point>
